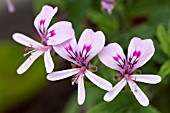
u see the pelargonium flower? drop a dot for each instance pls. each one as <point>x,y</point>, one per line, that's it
<point>108,5</point>
<point>89,45</point>
<point>56,34</point>
<point>10,6</point>
<point>139,52</point>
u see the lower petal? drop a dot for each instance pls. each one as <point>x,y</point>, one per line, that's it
<point>29,62</point>
<point>49,65</point>
<point>109,96</point>
<point>140,96</point>
<point>100,82</point>
<point>81,90</point>
<point>151,79</point>
<point>62,74</point>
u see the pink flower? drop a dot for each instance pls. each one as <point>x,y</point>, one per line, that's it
<point>139,52</point>
<point>56,34</point>
<point>89,45</point>
<point>108,5</point>
<point>10,6</point>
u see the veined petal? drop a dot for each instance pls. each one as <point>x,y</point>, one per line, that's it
<point>25,40</point>
<point>91,43</point>
<point>10,5</point>
<point>81,90</point>
<point>140,51</point>
<point>113,56</point>
<point>58,75</point>
<point>67,50</point>
<point>29,61</point>
<point>140,96</point>
<point>44,17</point>
<point>60,32</point>
<point>151,79</point>
<point>109,96</point>
<point>49,65</point>
<point>100,82</point>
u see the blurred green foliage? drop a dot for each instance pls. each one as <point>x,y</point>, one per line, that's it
<point>16,89</point>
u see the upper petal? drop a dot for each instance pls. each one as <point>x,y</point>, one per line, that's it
<point>10,5</point>
<point>113,56</point>
<point>81,90</point>
<point>60,32</point>
<point>91,43</point>
<point>25,40</point>
<point>100,82</point>
<point>49,65</point>
<point>151,79</point>
<point>109,96</point>
<point>44,17</point>
<point>29,61</point>
<point>140,51</point>
<point>140,96</point>
<point>58,75</point>
<point>67,50</point>
<point>109,7</point>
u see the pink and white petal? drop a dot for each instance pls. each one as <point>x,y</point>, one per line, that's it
<point>49,65</point>
<point>107,6</point>
<point>91,42</point>
<point>62,49</point>
<point>151,79</point>
<point>113,56</point>
<point>45,16</point>
<point>10,5</point>
<point>100,82</point>
<point>140,96</point>
<point>60,32</point>
<point>29,62</point>
<point>81,90</point>
<point>109,96</point>
<point>58,75</point>
<point>143,50</point>
<point>25,40</point>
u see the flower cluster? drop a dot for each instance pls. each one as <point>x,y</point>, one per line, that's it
<point>60,38</point>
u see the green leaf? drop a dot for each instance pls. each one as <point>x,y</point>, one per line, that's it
<point>122,104</point>
<point>16,89</point>
<point>163,38</point>
<point>107,24</point>
<point>165,69</point>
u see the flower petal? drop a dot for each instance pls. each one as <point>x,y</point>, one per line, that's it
<point>61,32</point>
<point>151,79</point>
<point>141,50</point>
<point>107,6</point>
<point>113,56</point>
<point>100,82</point>
<point>29,61</point>
<point>58,75</point>
<point>81,90</point>
<point>25,40</point>
<point>10,5</point>
<point>67,50</point>
<point>92,42</point>
<point>140,96</point>
<point>44,17</point>
<point>48,61</point>
<point>109,96</point>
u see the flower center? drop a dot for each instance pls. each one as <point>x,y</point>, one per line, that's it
<point>79,57</point>
<point>33,49</point>
<point>79,74</point>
